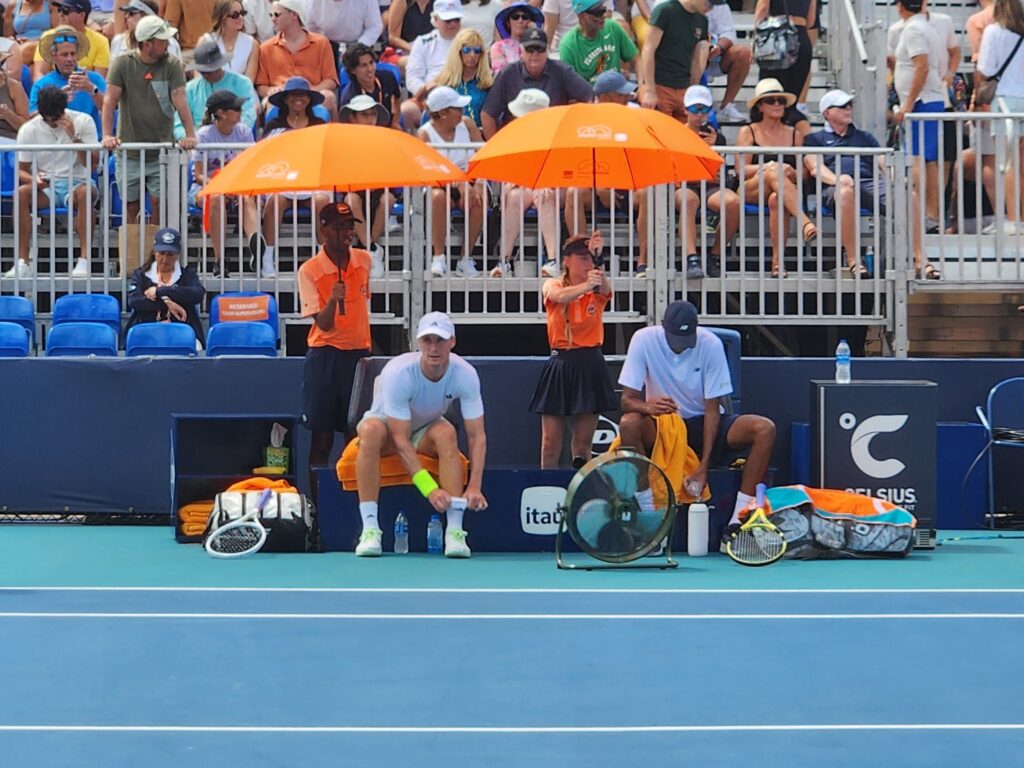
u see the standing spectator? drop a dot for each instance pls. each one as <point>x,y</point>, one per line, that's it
<point>427,57</point>
<point>976,24</point>
<point>241,50</point>
<point>479,15</point>
<point>125,41</point>
<point>193,18</point>
<point>574,383</point>
<point>559,18</point>
<point>674,56</point>
<point>164,291</point>
<point>345,22</point>
<point>209,61</point>
<point>75,13</point>
<point>802,14</point>
<point>147,87</point>
<point>294,52</point>
<point>85,89</point>
<point>258,21</point>
<point>366,79</point>
<point>597,44</point>
<point>512,23</point>
<point>467,71</point>
<point>407,20</point>
<point>535,71</point>
<point>52,179</point>
<point>726,57</point>
<point>982,142</point>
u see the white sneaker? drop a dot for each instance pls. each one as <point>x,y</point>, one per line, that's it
<point>550,269</point>
<point>503,269</point>
<point>377,267</point>
<point>455,543</point>
<point>439,267</point>
<point>730,114</point>
<point>20,269</point>
<point>81,268</point>
<point>269,265</point>
<point>369,543</point>
<point>466,267</point>
<point>394,225</point>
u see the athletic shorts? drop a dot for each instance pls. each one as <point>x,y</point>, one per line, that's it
<point>327,387</point>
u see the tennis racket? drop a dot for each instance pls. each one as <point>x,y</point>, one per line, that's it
<point>240,537</point>
<point>758,541</point>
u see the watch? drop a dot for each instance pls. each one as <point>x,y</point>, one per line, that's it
<point>95,90</point>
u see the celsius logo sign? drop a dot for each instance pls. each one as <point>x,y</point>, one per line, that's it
<point>538,509</point>
<point>860,443</point>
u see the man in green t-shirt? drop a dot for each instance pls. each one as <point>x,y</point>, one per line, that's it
<point>597,44</point>
<point>675,54</point>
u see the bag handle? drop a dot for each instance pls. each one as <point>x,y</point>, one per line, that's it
<point>1002,69</point>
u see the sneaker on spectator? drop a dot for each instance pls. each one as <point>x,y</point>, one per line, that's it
<point>268,264</point>
<point>726,535</point>
<point>714,266</point>
<point>394,225</point>
<point>81,268</point>
<point>455,543</point>
<point>20,269</point>
<point>641,272</point>
<point>693,270</point>
<point>219,270</point>
<point>438,267</point>
<point>466,267</point>
<point>550,269</point>
<point>730,114</point>
<point>503,269</point>
<point>257,245</point>
<point>377,267</point>
<point>369,543</point>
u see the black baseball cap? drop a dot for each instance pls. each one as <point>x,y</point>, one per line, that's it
<point>224,99</point>
<point>337,212</point>
<point>534,38</point>
<point>910,5</point>
<point>82,6</point>
<point>680,324</point>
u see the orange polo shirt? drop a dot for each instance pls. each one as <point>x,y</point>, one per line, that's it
<point>312,61</point>
<point>316,278</point>
<point>577,324</point>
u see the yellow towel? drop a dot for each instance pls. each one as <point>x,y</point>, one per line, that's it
<point>392,471</point>
<point>674,456</point>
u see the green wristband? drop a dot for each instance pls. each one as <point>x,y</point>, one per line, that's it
<point>425,483</point>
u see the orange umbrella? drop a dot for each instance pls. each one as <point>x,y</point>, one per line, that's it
<point>597,146</point>
<point>334,157</point>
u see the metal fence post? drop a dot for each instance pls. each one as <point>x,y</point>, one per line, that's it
<point>417,244</point>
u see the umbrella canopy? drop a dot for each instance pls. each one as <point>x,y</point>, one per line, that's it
<point>338,157</point>
<point>597,146</point>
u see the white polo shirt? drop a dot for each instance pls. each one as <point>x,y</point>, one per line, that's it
<point>401,391</point>
<point>698,374</point>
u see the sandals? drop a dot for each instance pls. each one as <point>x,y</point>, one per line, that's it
<point>810,237</point>
<point>858,270</point>
<point>779,272</point>
<point>931,272</point>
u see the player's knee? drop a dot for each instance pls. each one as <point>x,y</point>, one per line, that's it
<point>445,439</point>
<point>372,434</point>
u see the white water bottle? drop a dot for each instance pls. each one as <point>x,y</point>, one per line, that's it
<point>843,362</point>
<point>401,534</point>
<point>697,529</point>
<point>435,535</point>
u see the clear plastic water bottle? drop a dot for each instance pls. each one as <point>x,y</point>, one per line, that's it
<point>843,362</point>
<point>401,534</point>
<point>435,535</point>
<point>697,529</point>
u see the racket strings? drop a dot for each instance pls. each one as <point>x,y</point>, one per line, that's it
<point>236,539</point>
<point>757,545</point>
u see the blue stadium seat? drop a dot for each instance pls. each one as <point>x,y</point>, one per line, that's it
<point>115,195</point>
<point>80,339</point>
<point>13,340</point>
<point>8,181</point>
<point>241,338</point>
<point>91,307</point>
<point>271,319</point>
<point>160,339</point>
<point>18,309</point>
<point>732,341</point>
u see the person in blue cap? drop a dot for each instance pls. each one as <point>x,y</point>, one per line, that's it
<point>164,291</point>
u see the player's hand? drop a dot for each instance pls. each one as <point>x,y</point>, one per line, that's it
<point>439,499</point>
<point>475,499</point>
<point>662,405</point>
<point>338,292</point>
<point>694,484</point>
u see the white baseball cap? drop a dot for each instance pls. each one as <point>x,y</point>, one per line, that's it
<point>154,28</point>
<point>834,98</point>
<point>698,94</point>
<point>447,9</point>
<point>444,97</point>
<point>295,6</point>
<point>435,324</point>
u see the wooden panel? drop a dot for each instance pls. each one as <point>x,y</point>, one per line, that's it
<point>980,324</point>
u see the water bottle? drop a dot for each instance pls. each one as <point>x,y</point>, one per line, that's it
<point>435,536</point>
<point>401,534</point>
<point>697,529</point>
<point>843,362</point>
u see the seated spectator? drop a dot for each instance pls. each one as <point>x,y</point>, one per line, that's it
<point>164,291</point>
<point>479,15</point>
<point>351,22</point>
<point>766,174</point>
<point>467,71</point>
<point>11,56</point>
<point>407,20</point>
<point>222,124</point>
<point>612,87</point>
<point>26,20</point>
<point>512,23</point>
<point>241,50</point>
<point>363,110</point>
<point>365,79</point>
<point>125,41</point>
<point>101,18</point>
<point>56,178</point>
<point>726,57</point>
<point>258,23</point>
<point>427,57</point>
<point>674,55</point>
<point>559,18</point>
<point>75,13</point>
<point>193,18</point>
<point>294,52</point>
<point>295,102</point>
<point>558,81</point>
<point>61,48</point>
<point>596,44</point>
<point>449,125</point>
<point>13,107</point>
<point>209,62</point>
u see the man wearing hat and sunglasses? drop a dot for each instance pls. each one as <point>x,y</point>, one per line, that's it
<point>210,62</point>
<point>62,48</point>
<point>96,52</point>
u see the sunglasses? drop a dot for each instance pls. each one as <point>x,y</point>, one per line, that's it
<point>519,17</point>
<point>275,14</point>
<point>472,49</point>
<point>63,10</point>
<point>597,13</point>
<point>132,12</point>
<point>698,109</point>
<point>238,14</point>
<point>774,101</point>
<point>534,49</point>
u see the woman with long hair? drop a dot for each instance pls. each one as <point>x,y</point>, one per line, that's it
<point>241,49</point>
<point>467,71</point>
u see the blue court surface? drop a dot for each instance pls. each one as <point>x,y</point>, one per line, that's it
<point>122,648</point>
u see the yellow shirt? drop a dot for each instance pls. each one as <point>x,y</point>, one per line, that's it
<point>98,56</point>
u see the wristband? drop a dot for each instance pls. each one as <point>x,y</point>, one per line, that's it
<point>424,483</point>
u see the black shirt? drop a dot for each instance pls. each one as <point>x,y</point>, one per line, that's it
<point>561,83</point>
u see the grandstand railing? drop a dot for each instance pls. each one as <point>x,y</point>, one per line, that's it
<point>857,50</point>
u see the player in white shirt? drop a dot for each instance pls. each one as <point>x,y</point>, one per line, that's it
<point>681,368</point>
<point>410,397</point>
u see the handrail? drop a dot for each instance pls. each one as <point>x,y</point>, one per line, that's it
<point>858,39</point>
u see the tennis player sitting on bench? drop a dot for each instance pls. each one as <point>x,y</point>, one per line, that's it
<point>683,370</point>
<point>410,397</point>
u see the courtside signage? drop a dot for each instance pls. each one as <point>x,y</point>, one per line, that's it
<point>538,509</point>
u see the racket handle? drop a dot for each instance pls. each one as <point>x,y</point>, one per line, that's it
<point>760,491</point>
<point>261,502</point>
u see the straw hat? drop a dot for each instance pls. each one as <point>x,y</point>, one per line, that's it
<point>770,87</point>
<point>64,30</point>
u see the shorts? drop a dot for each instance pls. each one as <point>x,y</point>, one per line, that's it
<point>327,378</point>
<point>924,134</point>
<point>417,434</point>
<point>59,192</point>
<point>574,381</point>
<point>867,196</point>
<point>670,101</point>
<point>721,453</point>
<point>129,172</point>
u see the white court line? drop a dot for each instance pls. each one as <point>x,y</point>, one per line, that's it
<point>505,616</point>
<point>516,729</point>
<point>527,590</point>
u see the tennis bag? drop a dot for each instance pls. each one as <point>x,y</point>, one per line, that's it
<point>289,517</point>
<point>825,524</point>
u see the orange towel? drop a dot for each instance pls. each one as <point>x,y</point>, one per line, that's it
<point>392,472</point>
<point>194,515</point>
<point>262,483</point>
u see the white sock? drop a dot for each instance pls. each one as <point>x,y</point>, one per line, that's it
<point>268,255</point>
<point>454,514</point>
<point>368,511</point>
<point>742,500</point>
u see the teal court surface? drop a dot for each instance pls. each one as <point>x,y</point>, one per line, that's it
<point>122,648</point>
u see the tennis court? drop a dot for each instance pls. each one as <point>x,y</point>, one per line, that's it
<point>125,649</point>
